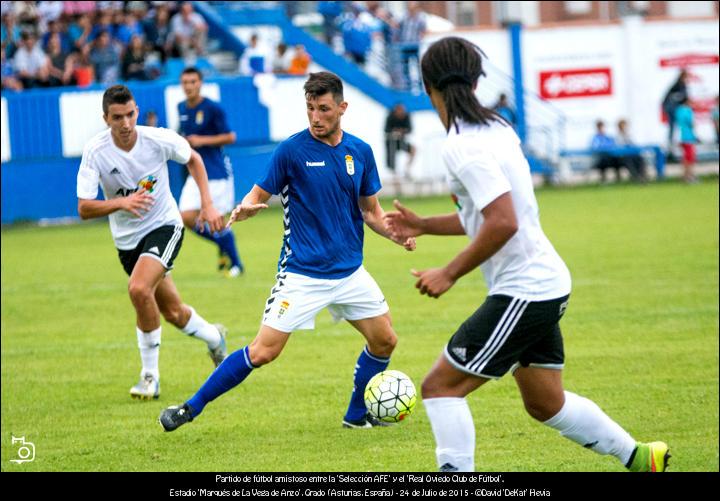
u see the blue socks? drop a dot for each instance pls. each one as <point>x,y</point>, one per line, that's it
<point>366,367</point>
<point>224,239</point>
<point>233,371</point>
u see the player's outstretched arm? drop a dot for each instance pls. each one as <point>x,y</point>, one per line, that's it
<point>251,204</point>
<point>404,223</point>
<point>374,217</point>
<point>499,226</point>
<point>137,204</point>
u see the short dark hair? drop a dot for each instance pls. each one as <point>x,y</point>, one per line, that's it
<point>321,83</point>
<point>192,69</point>
<point>117,94</point>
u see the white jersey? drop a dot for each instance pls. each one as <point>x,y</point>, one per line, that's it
<point>121,173</point>
<point>483,163</point>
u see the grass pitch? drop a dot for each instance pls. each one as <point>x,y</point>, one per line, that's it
<point>641,340</point>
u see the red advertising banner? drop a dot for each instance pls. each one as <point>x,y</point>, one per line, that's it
<point>689,60</point>
<point>563,84</point>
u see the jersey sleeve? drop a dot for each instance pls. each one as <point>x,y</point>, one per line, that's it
<point>370,184</point>
<point>480,174</point>
<point>88,177</point>
<point>174,146</point>
<point>275,178</point>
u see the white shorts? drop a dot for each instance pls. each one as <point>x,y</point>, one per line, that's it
<point>295,300</point>
<point>222,192</point>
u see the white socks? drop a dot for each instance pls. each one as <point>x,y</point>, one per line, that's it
<point>454,432</point>
<point>198,327</point>
<point>583,422</point>
<point>149,344</point>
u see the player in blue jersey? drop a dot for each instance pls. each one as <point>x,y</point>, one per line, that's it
<point>327,180</point>
<point>203,124</point>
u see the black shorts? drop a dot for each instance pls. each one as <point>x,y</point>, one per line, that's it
<point>506,332</point>
<point>162,243</point>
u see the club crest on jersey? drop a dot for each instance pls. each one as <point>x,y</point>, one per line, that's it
<point>199,117</point>
<point>349,165</point>
<point>148,183</point>
<point>283,308</point>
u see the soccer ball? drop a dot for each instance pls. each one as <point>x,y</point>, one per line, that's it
<point>390,396</point>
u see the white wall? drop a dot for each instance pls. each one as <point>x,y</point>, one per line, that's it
<point>643,59</point>
<point>81,117</point>
<point>5,153</point>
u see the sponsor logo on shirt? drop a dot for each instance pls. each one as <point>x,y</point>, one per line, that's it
<point>349,165</point>
<point>115,170</point>
<point>148,183</point>
<point>315,164</point>
<point>199,117</point>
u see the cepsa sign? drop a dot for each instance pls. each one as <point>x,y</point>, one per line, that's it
<point>575,83</point>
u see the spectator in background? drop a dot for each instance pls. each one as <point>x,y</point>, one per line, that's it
<point>503,108</point>
<point>61,63</point>
<point>103,24</point>
<point>83,70</point>
<point>188,30</point>
<point>133,63</point>
<point>411,31</point>
<point>357,36</point>
<point>602,146</point>
<point>634,162</point>
<point>130,26</point>
<point>685,121</point>
<point>252,60</point>
<point>105,59</point>
<point>56,27</point>
<point>9,78</point>
<point>283,58</point>
<point>330,12</point>
<point>80,31</point>
<point>30,62</point>
<point>300,61</point>
<point>48,12</point>
<point>158,33</point>
<point>10,33</point>
<point>151,118</point>
<point>674,96</point>
<point>397,127</point>
<point>27,15</point>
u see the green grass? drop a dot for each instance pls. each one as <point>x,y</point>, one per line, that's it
<point>641,340</point>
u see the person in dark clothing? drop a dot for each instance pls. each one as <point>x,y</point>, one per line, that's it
<point>634,162</point>
<point>397,127</point>
<point>674,96</point>
<point>601,145</point>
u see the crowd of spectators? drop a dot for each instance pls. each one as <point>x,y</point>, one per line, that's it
<point>360,29</point>
<point>256,58</point>
<point>46,44</point>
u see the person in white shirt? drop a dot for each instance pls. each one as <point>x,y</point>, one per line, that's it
<point>30,62</point>
<point>517,327</point>
<point>130,163</point>
<point>188,30</point>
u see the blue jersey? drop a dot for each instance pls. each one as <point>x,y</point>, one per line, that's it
<point>207,119</point>
<point>320,186</point>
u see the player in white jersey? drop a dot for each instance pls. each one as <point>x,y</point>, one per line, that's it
<point>130,163</point>
<point>517,327</point>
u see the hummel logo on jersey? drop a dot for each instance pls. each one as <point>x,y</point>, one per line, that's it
<point>315,164</point>
<point>154,250</point>
<point>115,170</point>
<point>461,353</point>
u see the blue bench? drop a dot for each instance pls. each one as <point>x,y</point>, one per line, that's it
<point>653,149</point>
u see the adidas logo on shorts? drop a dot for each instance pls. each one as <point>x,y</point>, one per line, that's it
<point>461,353</point>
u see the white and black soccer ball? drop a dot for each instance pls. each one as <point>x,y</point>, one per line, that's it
<point>390,396</point>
